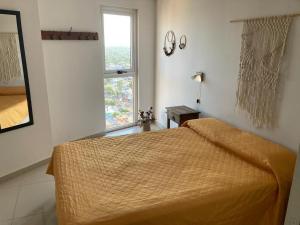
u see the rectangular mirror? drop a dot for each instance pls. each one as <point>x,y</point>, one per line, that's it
<point>15,102</point>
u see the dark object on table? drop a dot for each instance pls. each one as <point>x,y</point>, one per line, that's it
<point>180,114</point>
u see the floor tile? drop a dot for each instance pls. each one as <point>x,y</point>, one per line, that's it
<point>8,201</point>
<point>35,198</point>
<point>37,175</point>
<point>50,218</point>
<point>30,220</point>
<point>13,182</point>
<point>49,199</point>
<point>6,222</point>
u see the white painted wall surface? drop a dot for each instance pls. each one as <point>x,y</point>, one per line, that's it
<point>214,48</point>
<point>74,69</point>
<point>26,146</point>
<point>293,212</point>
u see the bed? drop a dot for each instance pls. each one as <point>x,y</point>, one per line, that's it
<point>13,106</point>
<point>205,173</point>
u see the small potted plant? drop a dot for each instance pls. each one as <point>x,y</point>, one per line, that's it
<point>145,119</point>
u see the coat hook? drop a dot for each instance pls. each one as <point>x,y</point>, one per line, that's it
<point>70,30</point>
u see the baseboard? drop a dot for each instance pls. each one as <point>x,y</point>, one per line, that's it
<point>24,170</point>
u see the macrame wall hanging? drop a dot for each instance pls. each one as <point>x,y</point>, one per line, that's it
<point>263,45</point>
<point>9,59</point>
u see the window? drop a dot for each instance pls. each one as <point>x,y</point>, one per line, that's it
<point>119,67</point>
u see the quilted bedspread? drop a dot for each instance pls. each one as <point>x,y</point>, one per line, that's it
<point>206,173</point>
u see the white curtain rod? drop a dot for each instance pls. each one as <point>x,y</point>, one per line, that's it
<point>242,20</point>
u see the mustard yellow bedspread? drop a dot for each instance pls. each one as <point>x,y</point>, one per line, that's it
<point>206,173</point>
<point>13,106</point>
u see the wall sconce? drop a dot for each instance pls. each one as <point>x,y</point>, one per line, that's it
<point>199,77</point>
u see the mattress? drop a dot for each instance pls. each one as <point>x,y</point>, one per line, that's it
<point>205,173</point>
<point>13,106</point>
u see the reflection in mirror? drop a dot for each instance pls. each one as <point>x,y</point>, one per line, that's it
<point>14,99</point>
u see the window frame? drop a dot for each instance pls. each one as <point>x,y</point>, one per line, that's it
<point>133,72</point>
<point>122,12</point>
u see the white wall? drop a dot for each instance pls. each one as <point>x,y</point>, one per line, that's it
<point>23,147</point>
<point>293,212</point>
<point>214,48</point>
<point>74,68</point>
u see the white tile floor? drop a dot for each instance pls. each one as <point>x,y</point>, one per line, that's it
<point>29,199</point>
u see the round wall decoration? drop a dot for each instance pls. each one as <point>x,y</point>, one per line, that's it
<point>182,43</point>
<point>170,43</point>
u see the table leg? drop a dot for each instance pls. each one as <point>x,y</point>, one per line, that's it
<point>168,123</point>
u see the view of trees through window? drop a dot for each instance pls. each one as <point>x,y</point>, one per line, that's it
<point>117,58</point>
<point>118,101</point>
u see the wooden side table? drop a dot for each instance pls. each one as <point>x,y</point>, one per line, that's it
<point>180,114</point>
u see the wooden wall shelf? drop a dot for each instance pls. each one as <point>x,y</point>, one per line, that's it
<point>68,35</point>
